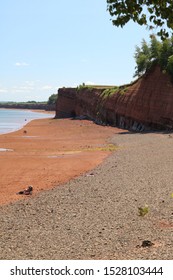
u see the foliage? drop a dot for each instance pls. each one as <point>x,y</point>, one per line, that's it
<point>105,148</point>
<point>143,58</point>
<point>31,101</point>
<point>152,53</point>
<point>155,47</point>
<point>123,90</point>
<point>108,92</point>
<point>143,210</point>
<point>82,86</point>
<point>113,90</point>
<point>52,99</point>
<point>151,13</point>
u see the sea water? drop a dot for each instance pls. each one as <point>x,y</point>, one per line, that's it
<point>14,119</point>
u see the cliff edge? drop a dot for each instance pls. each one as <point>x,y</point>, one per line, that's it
<point>145,104</point>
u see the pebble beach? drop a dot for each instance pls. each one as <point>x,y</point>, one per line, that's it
<point>95,214</point>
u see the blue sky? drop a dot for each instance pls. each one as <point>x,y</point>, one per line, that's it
<point>47,44</point>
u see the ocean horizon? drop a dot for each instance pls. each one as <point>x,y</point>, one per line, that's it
<point>14,119</point>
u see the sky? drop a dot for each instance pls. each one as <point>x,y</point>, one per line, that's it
<point>48,44</point>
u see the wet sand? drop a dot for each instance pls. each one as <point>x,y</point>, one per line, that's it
<point>49,152</point>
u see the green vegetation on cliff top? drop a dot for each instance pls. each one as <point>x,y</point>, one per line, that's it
<point>156,52</point>
<point>149,54</point>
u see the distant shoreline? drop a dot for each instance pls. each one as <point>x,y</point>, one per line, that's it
<point>33,110</point>
<point>27,105</point>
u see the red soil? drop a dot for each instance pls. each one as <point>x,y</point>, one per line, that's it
<point>48,152</point>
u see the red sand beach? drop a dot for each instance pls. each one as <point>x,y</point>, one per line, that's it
<point>48,152</point>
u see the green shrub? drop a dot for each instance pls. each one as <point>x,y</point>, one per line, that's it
<point>109,92</point>
<point>143,210</point>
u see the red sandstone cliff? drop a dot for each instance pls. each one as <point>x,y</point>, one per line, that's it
<point>148,103</point>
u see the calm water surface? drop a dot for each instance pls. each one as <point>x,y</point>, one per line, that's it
<point>11,120</point>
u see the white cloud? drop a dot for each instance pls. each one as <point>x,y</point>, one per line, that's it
<point>20,64</point>
<point>89,83</point>
<point>30,83</point>
<point>27,90</point>
<point>18,89</point>
<point>3,90</point>
<point>47,87</point>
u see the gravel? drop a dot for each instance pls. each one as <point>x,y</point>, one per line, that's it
<point>96,216</point>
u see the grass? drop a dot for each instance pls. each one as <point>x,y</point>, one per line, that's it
<point>107,148</point>
<point>123,90</point>
<point>143,210</point>
<point>109,92</point>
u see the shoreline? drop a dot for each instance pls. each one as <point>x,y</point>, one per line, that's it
<point>26,122</point>
<point>48,152</point>
<point>33,110</point>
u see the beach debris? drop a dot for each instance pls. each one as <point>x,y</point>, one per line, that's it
<point>143,210</point>
<point>27,191</point>
<point>147,243</point>
<point>90,174</point>
<point>5,150</point>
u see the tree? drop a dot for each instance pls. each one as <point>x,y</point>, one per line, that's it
<point>165,52</point>
<point>151,13</point>
<point>155,48</point>
<point>52,99</point>
<point>155,52</point>
<point>142,57</point>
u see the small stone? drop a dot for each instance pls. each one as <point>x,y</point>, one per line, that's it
<point>147,243</point>
<point>91,174</point>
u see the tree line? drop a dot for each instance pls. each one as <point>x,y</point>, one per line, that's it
<point>154,52</point>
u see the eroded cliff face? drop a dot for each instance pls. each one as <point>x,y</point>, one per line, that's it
<point>148,103</point>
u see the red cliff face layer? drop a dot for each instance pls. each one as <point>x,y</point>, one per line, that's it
<point>66,103</point>
<point>148,103</point>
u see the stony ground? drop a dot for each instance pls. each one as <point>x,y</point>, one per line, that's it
<point>96,215</point>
